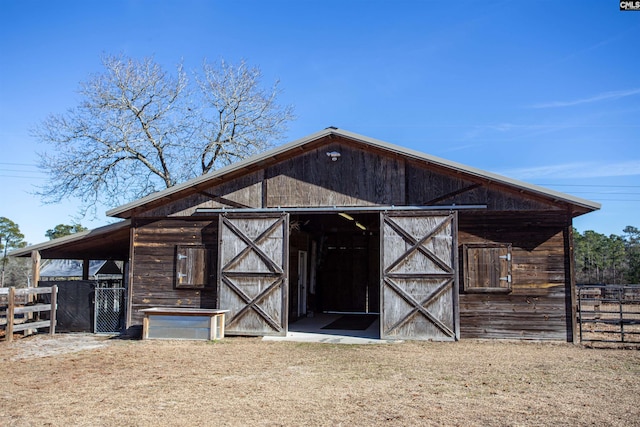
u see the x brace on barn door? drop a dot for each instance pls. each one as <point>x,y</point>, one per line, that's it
<point>252,272</point>
<point>253,303</point>
<point>419,306</point>
<point>418,275</point>
<point>418,245</point>
<point>252,245</point>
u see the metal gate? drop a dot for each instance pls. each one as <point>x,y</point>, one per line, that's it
<point>108,310</point>
<point>418,263</point>
<point>253,273</point>
<point>609,313</point>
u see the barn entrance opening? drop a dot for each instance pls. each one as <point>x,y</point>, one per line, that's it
<point>334,273</point>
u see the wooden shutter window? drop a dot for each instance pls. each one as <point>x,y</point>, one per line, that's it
<point>191,267</point>
<point>487,267</point>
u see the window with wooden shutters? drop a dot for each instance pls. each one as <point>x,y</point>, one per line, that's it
<point>191,267</point>
<point>487,267</point>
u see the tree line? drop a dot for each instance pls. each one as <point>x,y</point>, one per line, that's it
<point>613,259</point>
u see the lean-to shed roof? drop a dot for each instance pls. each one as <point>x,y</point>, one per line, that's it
<point>107,242</point>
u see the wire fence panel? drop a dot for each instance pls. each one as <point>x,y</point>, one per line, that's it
<point>109,310</point>
<point>609,313</point>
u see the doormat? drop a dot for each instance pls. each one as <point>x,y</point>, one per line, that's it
<point>352,322</point>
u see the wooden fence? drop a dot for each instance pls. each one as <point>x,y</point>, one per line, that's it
<point>19,302</point>
<point>609,313</point>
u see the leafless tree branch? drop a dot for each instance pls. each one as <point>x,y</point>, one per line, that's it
<point>139,129</point>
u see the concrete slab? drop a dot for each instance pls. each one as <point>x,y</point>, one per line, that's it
<point>309,329</point>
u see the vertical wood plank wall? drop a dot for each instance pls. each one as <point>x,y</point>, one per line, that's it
<point>358,178</point>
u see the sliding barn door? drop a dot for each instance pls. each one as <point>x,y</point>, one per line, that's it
<point>252,273</point>
<point>419,296</point>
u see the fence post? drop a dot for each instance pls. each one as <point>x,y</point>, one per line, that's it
<point>580,311</point>
<point>36,258</point>
<point>620,294</point>
<point>10,313</point>
<point>54,309</point>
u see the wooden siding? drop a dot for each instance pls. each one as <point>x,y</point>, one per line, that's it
<point>153,271</point>
<point>428,187</point>
<point>357,178</point>
<point>536,307</point>
<point>244,191</point>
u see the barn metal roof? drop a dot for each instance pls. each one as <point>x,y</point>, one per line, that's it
<point>125,211</point>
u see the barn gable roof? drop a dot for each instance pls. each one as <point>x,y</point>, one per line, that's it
<point>297,146</point>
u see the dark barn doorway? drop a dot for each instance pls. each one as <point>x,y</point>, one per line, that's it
<point>341,252</point>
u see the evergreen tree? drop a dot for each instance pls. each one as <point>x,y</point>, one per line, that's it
<point>10,238</point>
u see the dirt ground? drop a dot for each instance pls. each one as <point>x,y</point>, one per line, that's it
<point>92,381</point>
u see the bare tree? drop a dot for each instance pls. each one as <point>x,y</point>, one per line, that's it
<point>139,129</point>
<point>240,117</point>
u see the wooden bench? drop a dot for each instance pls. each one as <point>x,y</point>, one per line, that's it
<point>183,323</point>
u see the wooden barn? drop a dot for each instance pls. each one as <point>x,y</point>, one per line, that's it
<point>340,222</point>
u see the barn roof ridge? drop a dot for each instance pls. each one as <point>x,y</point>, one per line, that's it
<point>124,211</point>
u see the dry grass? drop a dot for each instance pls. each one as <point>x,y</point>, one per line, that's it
<point>246,381</point>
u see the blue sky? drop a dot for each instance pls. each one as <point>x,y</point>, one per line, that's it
<point>542,91</point>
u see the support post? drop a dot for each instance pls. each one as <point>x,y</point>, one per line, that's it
<point>54,310</point>
<point>11,313</point>
<point>571,304</point>
<point>620,296</point>
<point>221,322</point>
<point>35,268</point>
<point>85,269</point>
<point>35,275</point>
<point>145,326</point>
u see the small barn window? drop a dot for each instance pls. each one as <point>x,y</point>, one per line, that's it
<point>487,267</point>
<point>191,267</point>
